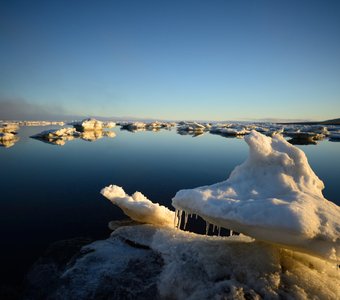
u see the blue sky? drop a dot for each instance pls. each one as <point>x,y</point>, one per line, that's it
<point>214,60</point>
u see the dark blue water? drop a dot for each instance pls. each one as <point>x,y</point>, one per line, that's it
<point>50,192</point>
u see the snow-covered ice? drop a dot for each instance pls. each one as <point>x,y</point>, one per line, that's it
<point>150,262</point>
<point>142,126</point>
<point>63,135</point>
<point>56,133</point>
<point>9,127</point>
<point>273,196</point>
<point>138,207</point>
<point>92,124</point>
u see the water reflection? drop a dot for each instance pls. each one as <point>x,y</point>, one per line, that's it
<point>8,141</point>
<point>91,136</point>
<point>295,141</point>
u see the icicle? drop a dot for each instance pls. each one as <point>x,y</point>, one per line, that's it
<point>219,230</point>
<point>207,224</point>
<point>175,219</point>
<point>213,228</point>
<point>180,212</point>
<point>196,216</point>
<point>231,232</point>
<point>185,219</point>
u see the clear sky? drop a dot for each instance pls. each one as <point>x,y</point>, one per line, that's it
<point>183,59</point>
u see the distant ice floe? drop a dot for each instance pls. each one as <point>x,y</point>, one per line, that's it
<point>8,134</point>
<point>298,134</point>
<point>9,127</point>
<point>92,124</point>
<point>274,196</point>
<point>57,136</point>
<point>89,132</point>
<point>7,139</point>
<point>141,126</point>
<point>41,123</point>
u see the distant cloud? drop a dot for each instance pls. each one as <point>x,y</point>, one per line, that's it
<point>20,109</point>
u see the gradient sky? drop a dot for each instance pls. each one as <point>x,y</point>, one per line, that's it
<point>214,59</point>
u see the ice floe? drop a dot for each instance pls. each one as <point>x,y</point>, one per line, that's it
<point>8,139</point>
<point>9,127</point>
<point>273,196</point>
<point>63,135</point>
<point>88,124</point>
<point>41,123</point>
<point>142,126</point>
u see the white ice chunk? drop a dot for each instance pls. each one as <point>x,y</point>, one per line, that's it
<point>138,207</point>
<point>56,133</point>
<point>273,196</point>
<point>89,124</point>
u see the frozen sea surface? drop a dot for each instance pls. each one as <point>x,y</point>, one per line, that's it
<point>50,192</point>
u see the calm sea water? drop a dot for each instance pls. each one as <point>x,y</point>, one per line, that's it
<point>50,192</point>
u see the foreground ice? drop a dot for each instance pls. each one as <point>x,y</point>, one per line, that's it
<point>138,207</point>
<point>273,196</point>
<point>148,262</point>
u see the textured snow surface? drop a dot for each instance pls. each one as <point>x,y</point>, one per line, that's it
<point>273,196</point>
<point>146,262</point>
<point>138,207</point>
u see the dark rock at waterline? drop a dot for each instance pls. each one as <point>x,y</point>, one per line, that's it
<point>116,268</point>
<point>44,276</point>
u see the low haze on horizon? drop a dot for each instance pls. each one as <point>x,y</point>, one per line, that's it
<point>208,60</point>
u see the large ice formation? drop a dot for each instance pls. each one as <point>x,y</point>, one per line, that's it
<point>273,196</point>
